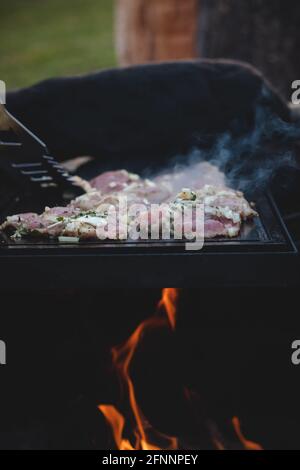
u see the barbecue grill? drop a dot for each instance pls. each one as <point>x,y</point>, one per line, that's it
<point>263,254</point>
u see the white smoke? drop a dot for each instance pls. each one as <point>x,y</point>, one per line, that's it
<point>250,161</point>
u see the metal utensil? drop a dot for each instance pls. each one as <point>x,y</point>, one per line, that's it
<point>27,158</point>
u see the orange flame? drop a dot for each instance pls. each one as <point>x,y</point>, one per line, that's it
<point>122,358</point>
<point>117,423</point>
<point>168,301</point>
<point>248,445</point>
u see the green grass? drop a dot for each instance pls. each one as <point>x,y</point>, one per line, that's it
<point>45,38</point>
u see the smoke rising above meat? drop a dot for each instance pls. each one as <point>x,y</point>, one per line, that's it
<point>247,161</point>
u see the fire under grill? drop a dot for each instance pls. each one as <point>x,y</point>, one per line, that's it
<point>263,254</point>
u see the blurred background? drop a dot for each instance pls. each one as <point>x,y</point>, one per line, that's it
<point>49,398</point>
<point>44,38</point>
